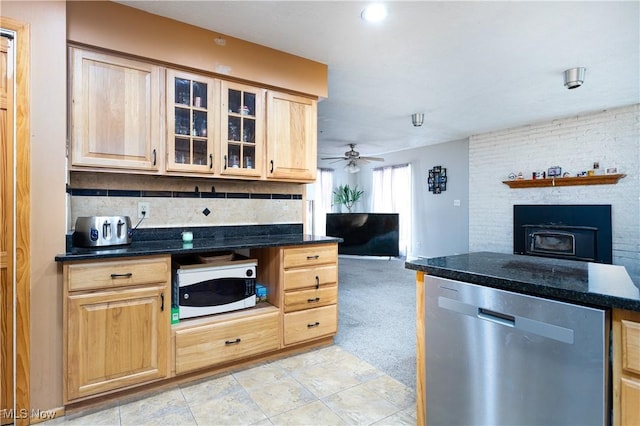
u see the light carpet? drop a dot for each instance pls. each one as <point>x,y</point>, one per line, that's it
<point>377,314</point>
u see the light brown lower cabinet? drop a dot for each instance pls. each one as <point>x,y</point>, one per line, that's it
<point>626,368</point>
<point>117,335</point>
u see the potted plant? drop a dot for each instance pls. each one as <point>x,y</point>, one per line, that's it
<point>346,195</point>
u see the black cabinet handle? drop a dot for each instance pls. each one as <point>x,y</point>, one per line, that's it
<point>232,342</point>
<point>317,299</point>
<point>317,282</point>
<point>314,257</point>
<point>313,325</point>
<point>211,161</point>
<point>154,157</point>
<point>127,275</point>
<point>225,162</point>
<point>271,166</point>
<point>162,302</point>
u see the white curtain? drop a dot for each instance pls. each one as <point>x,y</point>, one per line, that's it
<point>322,190</point>
<point>391,193</point>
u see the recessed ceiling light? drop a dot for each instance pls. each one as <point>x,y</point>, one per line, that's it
<point>375,12</point>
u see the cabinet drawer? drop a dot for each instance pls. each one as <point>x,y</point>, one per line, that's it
<point>118,273</point>
<point>310,324</point>
<point>306,299</point>
<point>310,277</point>
<point>631,346</point>
<point>310,255</point>
<point>212,344</point>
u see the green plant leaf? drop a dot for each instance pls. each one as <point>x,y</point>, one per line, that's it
<point>346,195</point>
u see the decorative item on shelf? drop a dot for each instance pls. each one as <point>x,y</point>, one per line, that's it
<point>346,195</point>
<point>512,176</point>
<point>539,174</point>
<point>555,171</point>
<point>520,176</point>
<point>437,180</point>
<point>611,171</point>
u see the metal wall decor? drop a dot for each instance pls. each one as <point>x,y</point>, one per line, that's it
<point>437,179</point>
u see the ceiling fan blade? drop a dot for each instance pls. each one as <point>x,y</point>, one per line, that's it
<point>372,158</point>
<point>334,158</point>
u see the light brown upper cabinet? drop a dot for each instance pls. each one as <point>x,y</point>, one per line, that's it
<point>192,106</point>
<point>291,137</point>
<point>115,112</point>
<point>242,130</point>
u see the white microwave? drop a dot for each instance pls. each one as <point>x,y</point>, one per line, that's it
<point>201,289</point>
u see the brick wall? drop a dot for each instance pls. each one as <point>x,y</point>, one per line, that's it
<point>611,138</point>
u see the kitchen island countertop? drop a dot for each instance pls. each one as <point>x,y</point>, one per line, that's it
<point>585,283</point>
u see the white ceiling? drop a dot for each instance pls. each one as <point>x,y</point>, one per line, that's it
<point>470,67</point>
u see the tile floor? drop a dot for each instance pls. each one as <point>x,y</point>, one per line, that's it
<point>327,386</point>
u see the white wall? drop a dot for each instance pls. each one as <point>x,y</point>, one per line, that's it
<point>610,137</point>
<point>439,227</point>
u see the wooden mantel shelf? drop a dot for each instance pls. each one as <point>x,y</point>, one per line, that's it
<point>564,181</point>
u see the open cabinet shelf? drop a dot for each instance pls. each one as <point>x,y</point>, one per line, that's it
<point>564,181</point>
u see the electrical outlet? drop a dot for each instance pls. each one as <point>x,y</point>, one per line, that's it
<point>143,207</point>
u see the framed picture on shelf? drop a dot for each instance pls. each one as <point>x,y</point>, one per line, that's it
<point>554,171</point>
<point>611,171</point>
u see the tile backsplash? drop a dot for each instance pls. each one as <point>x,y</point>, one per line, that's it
<point>179,201</point>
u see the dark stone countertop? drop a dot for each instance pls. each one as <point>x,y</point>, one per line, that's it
<point>584,283</point>
<point>147,242</point>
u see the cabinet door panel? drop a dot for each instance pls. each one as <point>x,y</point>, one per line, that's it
<point>241,132</point>
<point>115,112</point>
<point>115,339</point>
<point>631,346</point>
<point>192,107</point>
<point>291,137</point>
<point>630,402</point>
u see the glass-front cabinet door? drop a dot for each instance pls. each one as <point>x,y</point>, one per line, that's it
<point>242,135</point>
<point>191,109</point>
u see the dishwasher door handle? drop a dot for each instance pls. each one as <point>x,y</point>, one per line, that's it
<point>498,317</point>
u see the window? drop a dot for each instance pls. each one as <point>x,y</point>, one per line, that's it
<point>319,197</point>
<point>391,193</point>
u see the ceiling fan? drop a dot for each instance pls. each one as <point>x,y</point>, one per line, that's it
<point>353,157</point>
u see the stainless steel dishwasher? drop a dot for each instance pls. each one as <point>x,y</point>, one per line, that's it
<point>494,357</point>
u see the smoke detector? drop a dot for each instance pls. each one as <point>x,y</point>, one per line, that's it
<point>574,77</point>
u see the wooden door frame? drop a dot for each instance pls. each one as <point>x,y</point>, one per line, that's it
<point>22,267</point>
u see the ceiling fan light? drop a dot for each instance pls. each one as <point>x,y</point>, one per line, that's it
<point>417,119</point>
<point>352,167</point>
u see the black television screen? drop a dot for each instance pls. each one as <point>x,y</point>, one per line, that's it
<point>365,234</point>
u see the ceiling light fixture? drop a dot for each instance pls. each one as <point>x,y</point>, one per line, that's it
<point>417,119</point>
<point>375,12</point>
<point>352,167</point>
<point>574,77</point>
